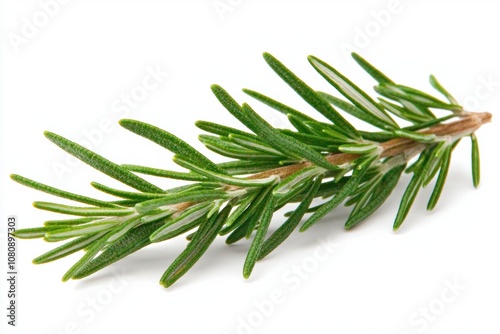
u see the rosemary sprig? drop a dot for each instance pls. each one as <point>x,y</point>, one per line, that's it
<point>317,165</point>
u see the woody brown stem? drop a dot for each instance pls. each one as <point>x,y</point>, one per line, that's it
<point>467,124</point>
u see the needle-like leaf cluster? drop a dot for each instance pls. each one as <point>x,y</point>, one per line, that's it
<point>315,164</point>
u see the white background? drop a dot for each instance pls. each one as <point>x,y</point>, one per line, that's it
<point>69,77</point>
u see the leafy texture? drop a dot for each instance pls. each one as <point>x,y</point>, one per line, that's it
<point>316,165</point>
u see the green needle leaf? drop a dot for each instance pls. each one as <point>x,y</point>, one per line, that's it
<point>293,180</point>
<point>258,240</point>
<point>125,226</point>
<point>409,108</point>
<point>408,114</point>
<point>247,219</point>
<point>342,194</point>
<point>310,96</point>
<point>432,171</point>
<point>351,91</point>
<point>311,139</point>
<point>291,223</point>
<point>107,167</point>
<point>424,125</point>
<point>181,197</point>
<point>31,233</point>
<point>93,227</point>
<point>411,191</point>
<point>364,192</point>
<point>281,142</point>
<point>435,83</point>
<point>475,161</point>
<point>221,130</point>
<point>253,144</point>
<point>232,150</point>
<point>127,244</point>
<point>298,124</point>
<point>295,194</point>
<point>427,100</point>
<point>60,193</point>
<point>384,190</point>
<point>66,222</point>
<point>205,235</point>
<point>224,178</point>
<point>443,173</point>
<point>181,228</point>
<point>81,211</point>
<point>278,106</point>
<point>170,142</point>
<point>415,135</point>
<point>413,96</point>
<point>91,252</point>
<point>248,167</point>
<point>68,248</point>
<point>164,173</point>
<point>355,111</point>
<point>257,215</point>
<point>184,222</point>
<point>234,219</point>
<point>371,70</point>
<point>123,193</point>
<point>358,148</point>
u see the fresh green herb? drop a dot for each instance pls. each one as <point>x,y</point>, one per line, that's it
<point>311,162</point>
